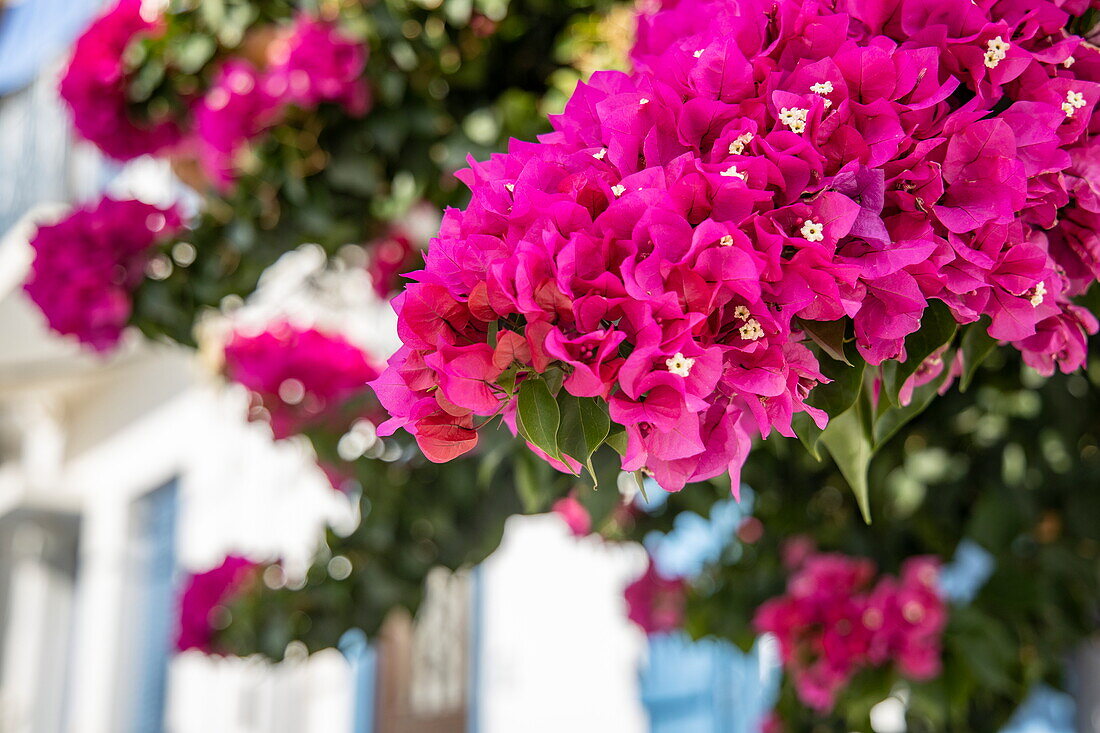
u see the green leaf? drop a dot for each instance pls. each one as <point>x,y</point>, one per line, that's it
<point>937,327</point>
<point>617,440</point>
<point>891,419</point>
<point>507,379</point>
<point>850,446</point>
<point>977,345</point>
<point>640,478</point>
<point>538,417</point>
<point>584,426</point>
<point>829,335</point>
<point>834,398</point>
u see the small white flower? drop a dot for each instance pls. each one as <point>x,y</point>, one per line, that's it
<point>737,147</point>
<point>600,154</point>
<point>680,365</point>
<point>751,331</point>
<point>1069,62</point>
<point>618,190</point>
<point>732,172</point>
<point>510,186</point>
<point>644,101</point>
<point>726,241</point>
<point>822,88</point>
<point>698,53</point>
<point>742,312</point>
<point>813,231</point>
<point>997,50</point>
<point>794,118</point>
<point>1037,294</point>
<point>1074,101</point>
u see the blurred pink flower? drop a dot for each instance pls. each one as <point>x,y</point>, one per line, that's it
<point>204,596</point>
<point>656,603</point>
<point>317,63</point>
<point>301,377</point>
<point>88,265</point>
<point>96,87</point>
<point>575,516</point>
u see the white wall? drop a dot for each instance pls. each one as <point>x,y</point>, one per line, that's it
<point>557,651</point>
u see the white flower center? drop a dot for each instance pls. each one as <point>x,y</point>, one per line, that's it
<point>510,186</point>
<point>1069,62</point>
<point>751,331</point>
<point>1074,101</point>
<point>996,50</point>
<point>823,88</point>
<point>732,172</point>
<point>618,190</point>
<point>726,241</point>
<point>813,231</point>
<point>644,101</point>
<point>600,154</point>
<point>680,365</point>
<point>698,53</point>
<point>1037,294</point>
<point>737,147</point>
<point>794,118</point>
<point>742,312</point>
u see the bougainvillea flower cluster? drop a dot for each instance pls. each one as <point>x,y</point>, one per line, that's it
<point>656,602</point>
<point>832,622</point>
<point>95,86</point>
<point>204,597</point>
<point>576,517</point>
<point>315,63</point>
<point>388,258</point>
<point>87,266</point>
<point>770,164</point>
<point>298,377</point>
<point>311,62</point>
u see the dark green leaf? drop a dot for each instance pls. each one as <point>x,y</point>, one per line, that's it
<point>834,398</point>
<point>937,327</point>
<point>617,440</point>
<point>829,335</point>
<point>538,417</point>
<point>977,344</point>
<point>584,425</point>
<point>847,441</point>
<point>891,419</point>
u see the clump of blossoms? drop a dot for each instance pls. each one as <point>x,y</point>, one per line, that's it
<point>389,257</point>
<point>656,602</point>
<point>236,109</point>
<point>204,598</point>
<point>832,623</point>
<point>311,63</point>
<point>300,378</point>
<point>96,86</point>
<point>87,266</point>
<point>771,167</point>
<point>314,63</point>
<point>576,517</point>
